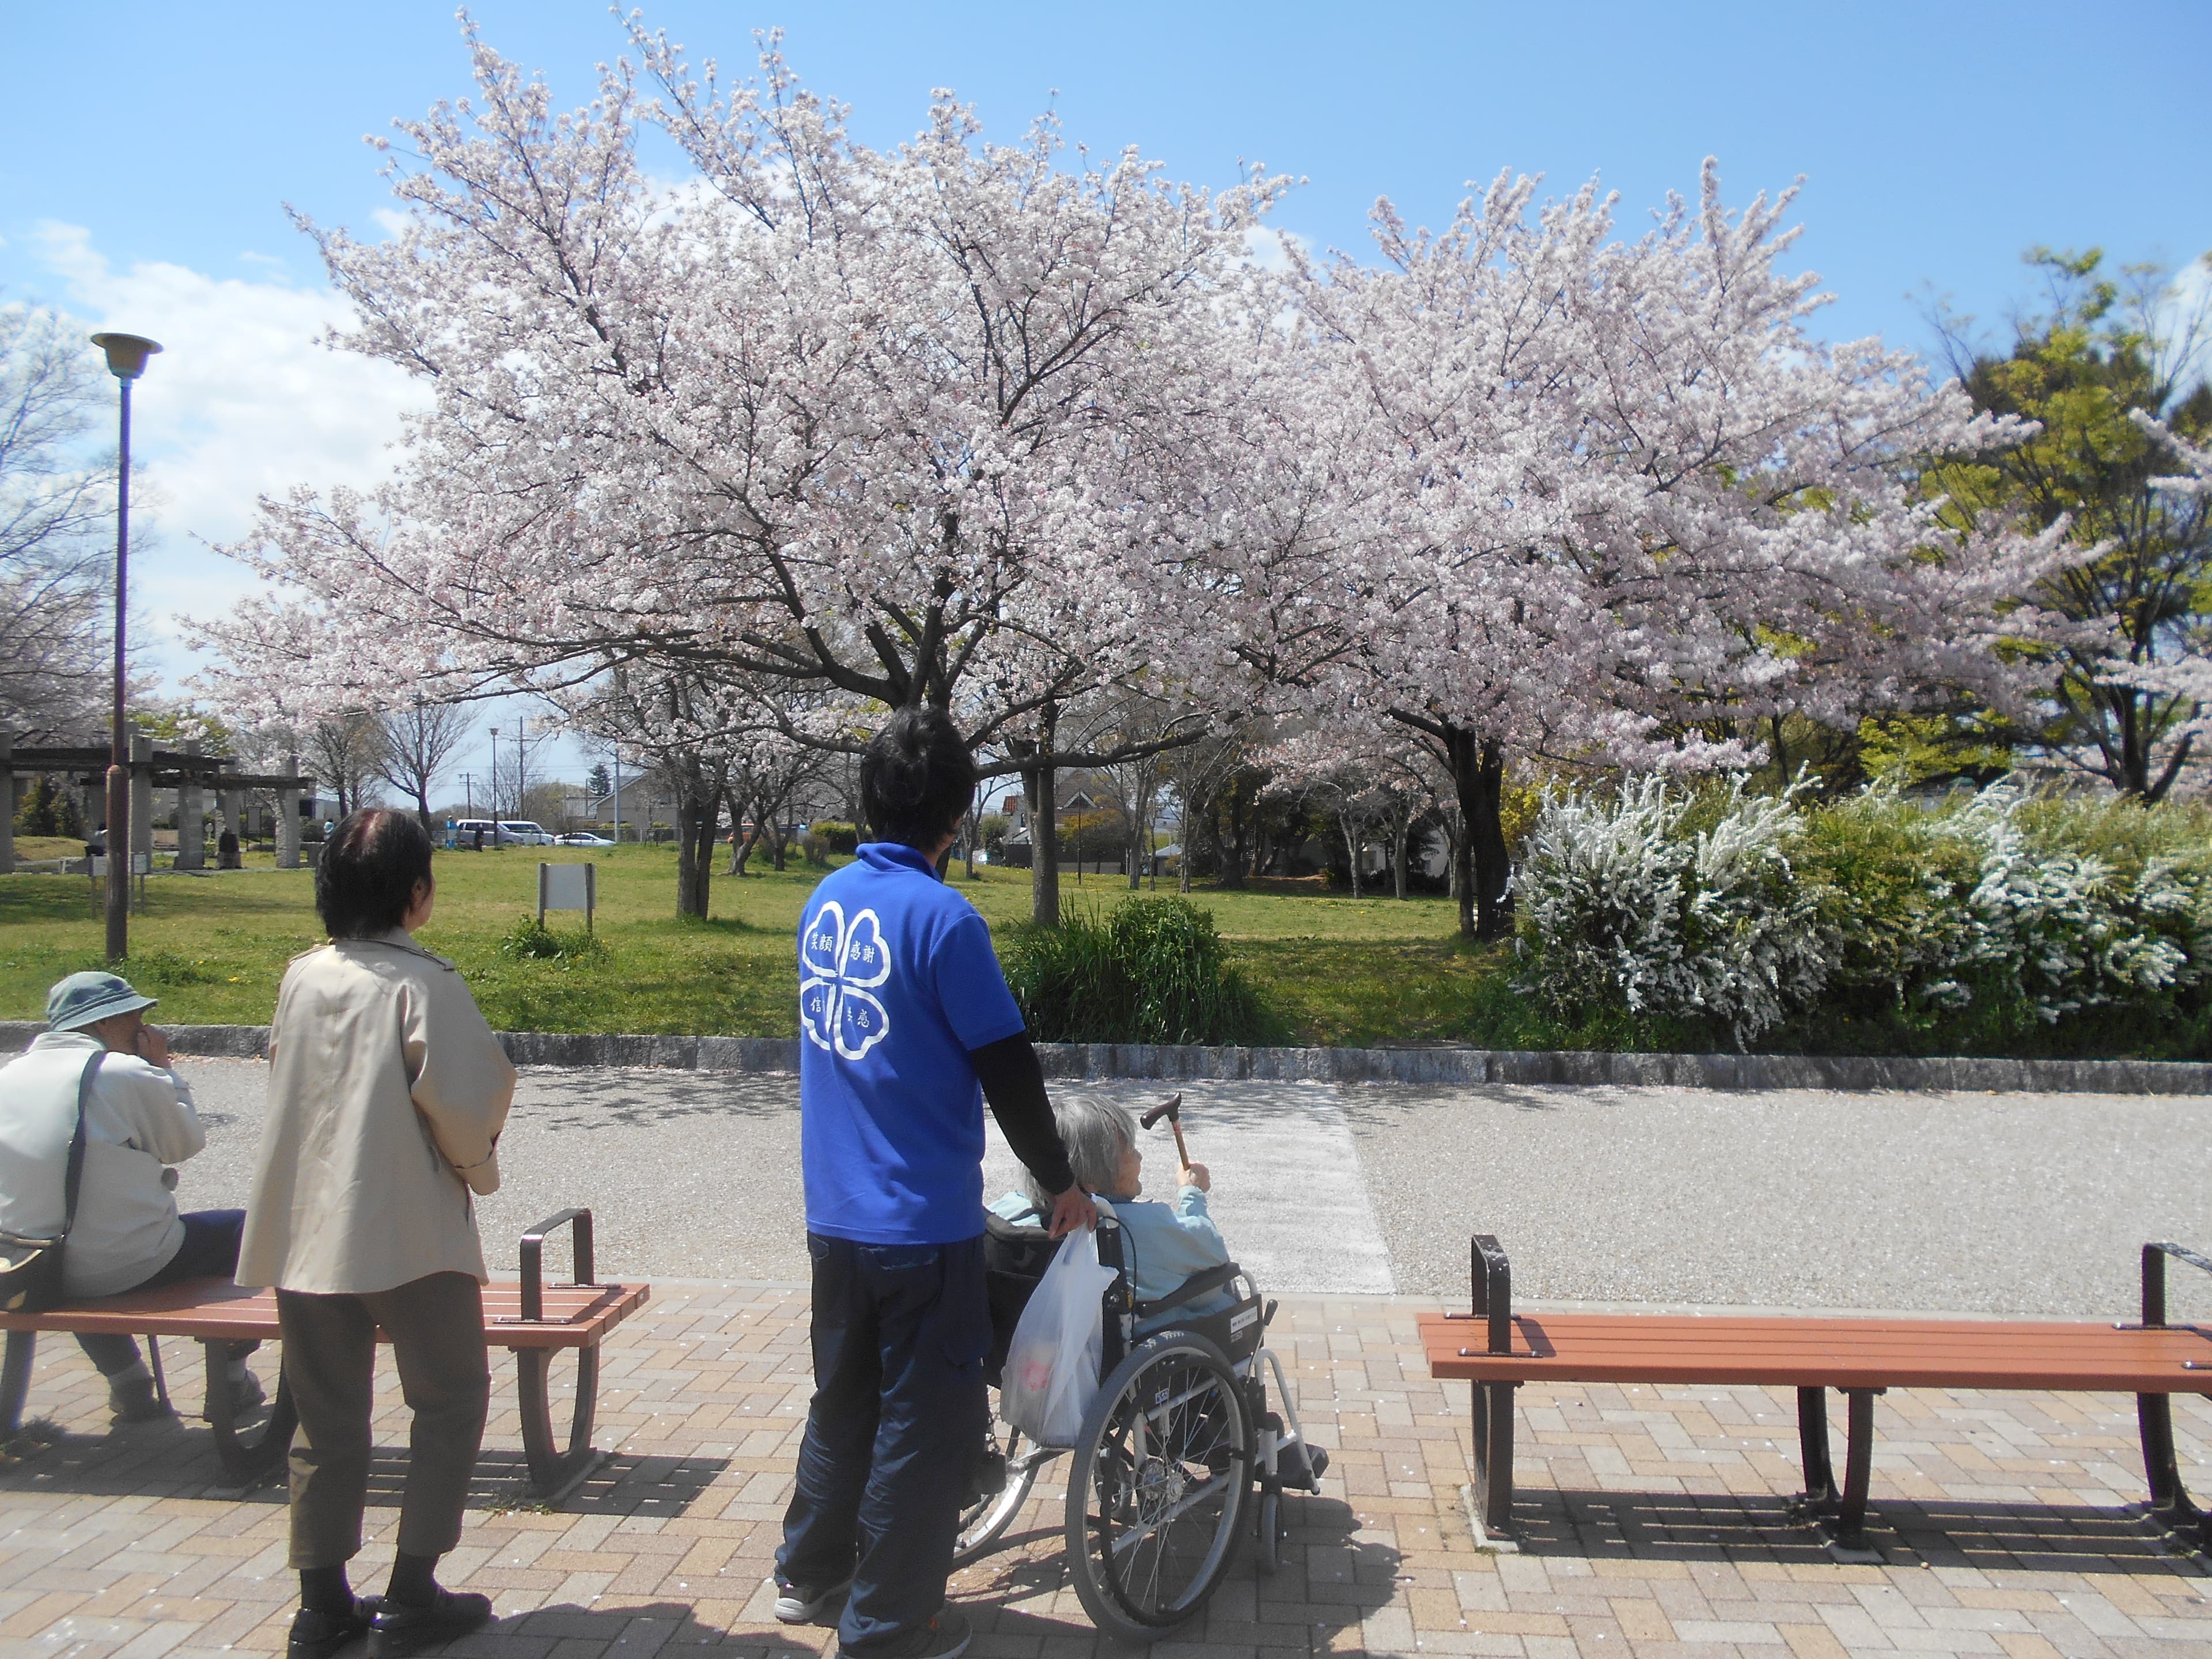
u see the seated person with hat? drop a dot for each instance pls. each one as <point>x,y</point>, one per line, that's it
<point>138,1121</point>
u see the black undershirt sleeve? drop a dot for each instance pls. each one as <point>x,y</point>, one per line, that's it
<point>1013,1082</point>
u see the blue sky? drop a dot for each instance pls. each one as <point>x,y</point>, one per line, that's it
<point>146,151</point>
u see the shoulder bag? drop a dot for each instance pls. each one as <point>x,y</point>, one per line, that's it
<point>31,1268</point>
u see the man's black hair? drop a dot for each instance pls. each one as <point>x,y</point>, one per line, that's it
<point>917,778</point>
<point>365,881</point>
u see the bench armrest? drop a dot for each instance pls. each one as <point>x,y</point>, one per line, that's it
<point>2153,1277</point>
<point>533,1248</point>
<point>1493,1277</point>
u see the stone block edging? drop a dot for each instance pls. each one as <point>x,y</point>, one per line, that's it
<point>1439,1065</point>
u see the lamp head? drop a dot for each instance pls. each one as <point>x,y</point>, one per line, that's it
<point>126,353</point>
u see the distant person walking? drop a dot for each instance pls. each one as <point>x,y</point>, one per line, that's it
<point>388,1093</point>
<point>908,1024</point>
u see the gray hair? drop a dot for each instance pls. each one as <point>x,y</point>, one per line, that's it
<point>1096,1133</point>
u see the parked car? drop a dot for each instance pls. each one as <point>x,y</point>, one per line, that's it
<point>465,832</point>
<point>523,832</point>
<point>581,838</point>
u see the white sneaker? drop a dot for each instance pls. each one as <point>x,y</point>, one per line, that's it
<point>794,1606</point>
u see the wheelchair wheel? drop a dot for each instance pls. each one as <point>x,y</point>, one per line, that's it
<point>982,1521</point>
<point>1156,1498</point>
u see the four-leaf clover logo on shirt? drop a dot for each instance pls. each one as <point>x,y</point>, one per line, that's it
<point>838,964</point>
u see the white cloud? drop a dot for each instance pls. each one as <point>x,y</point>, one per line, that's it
<point>1266,247</point>
<point>242,402</point>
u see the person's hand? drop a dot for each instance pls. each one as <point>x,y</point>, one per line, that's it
<point>1070,1210</point>
<point>1196,1174</point>
<point>152,1046</point>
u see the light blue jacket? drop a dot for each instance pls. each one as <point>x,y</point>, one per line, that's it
<point>1164,1243</point>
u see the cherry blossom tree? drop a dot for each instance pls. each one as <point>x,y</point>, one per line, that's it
<point>880,423</point>
<point>1628,505</point>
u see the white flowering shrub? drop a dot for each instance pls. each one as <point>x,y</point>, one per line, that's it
<point>2068,929</point>
<point>1625,900</point>
<point>1974,916</point>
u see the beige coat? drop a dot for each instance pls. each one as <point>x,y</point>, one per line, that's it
<point>386,1094</point>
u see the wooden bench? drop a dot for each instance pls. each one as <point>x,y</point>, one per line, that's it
<point>1498,1350</point>
<point>533,1319</point>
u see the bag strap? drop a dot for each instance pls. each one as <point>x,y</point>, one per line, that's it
<point>75,1175</point>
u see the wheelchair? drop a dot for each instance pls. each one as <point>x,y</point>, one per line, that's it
<point>1179,1454</point>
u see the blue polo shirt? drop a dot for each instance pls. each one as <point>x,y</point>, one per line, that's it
<point>898,982</point>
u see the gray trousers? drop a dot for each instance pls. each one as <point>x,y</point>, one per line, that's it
<point>436,1327</point>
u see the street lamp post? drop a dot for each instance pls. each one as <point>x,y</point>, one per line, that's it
<point>126,361</point>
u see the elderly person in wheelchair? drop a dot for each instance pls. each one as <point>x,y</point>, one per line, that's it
<point>1180,1451</point>
<point>1164,1244</point>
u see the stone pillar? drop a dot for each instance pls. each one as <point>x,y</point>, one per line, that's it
<point>232,834</point>
<point>288,817</point>
<point>7,803</point>
<point>142,801</point>
<point>191,818</point>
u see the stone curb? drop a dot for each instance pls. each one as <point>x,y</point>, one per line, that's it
<point>1442,1066</point>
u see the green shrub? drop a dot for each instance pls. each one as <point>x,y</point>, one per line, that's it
<point>1993,923</point>
<point>1154,971</point>
<point>50,810</point>
<point>832,836</point>
<point>532,940</point>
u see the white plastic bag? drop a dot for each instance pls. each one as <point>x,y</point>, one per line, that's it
<point>1051,1373</point>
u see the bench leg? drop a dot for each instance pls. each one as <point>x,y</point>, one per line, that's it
<point>553,1473</point>
<point>1493,1457</point>
<point>247,1462</point>
<point>1818,1497</point>
<point>16,1381</point>
<point>1850,1539</point>
<point>2169,1501</point>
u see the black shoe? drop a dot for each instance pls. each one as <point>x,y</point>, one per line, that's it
<point>399,1630</point>
<point>945,1637</point>
<point>317,1635</point>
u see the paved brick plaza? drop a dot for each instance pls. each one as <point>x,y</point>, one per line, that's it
<point>1655,1519</point>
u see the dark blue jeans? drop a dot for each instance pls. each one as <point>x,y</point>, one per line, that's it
<point>209,1251</point>
<point>899,1334</point>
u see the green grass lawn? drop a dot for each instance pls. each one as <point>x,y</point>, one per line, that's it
<point>213,948</point>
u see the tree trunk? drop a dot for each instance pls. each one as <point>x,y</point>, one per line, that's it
<point>1240,832</point>
<point>1404,832</point>
<point>695,843</point>
<point>1352,845</point>
<point>1044,846</point>
<point>743,842</point>
<point>1478,770</point>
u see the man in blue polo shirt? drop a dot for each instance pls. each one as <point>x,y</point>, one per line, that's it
<point>905,1026</point>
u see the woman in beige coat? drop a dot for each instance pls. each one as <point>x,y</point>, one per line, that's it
<point>386,1095</point>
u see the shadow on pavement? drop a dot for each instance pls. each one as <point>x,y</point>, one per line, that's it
<point>177,1459</point>
<point>1993,1535</point>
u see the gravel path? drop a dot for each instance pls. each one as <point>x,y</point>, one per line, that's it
<point>2022,1204</point>
<point>2017,1204</point>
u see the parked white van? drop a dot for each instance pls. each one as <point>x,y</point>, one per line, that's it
<point>523,832</point>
